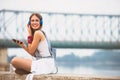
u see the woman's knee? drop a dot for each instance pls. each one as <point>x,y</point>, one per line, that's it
<point>14,60</point>
<point>17,62</point>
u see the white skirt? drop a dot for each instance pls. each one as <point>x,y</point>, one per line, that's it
<point>43,66</point>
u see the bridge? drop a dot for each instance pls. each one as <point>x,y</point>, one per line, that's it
<point>65,30</point>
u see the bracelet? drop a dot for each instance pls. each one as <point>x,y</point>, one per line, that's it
<point>30,39</point>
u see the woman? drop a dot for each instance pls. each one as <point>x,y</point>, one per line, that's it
<point>42,63</point>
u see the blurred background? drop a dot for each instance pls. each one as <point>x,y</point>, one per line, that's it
<point>85,33</point>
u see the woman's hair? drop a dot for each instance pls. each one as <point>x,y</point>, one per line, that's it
<point>38,16</point>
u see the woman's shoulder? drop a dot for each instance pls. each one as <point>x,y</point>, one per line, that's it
<point>38,32</point>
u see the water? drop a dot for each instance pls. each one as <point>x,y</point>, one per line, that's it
<point>91,70</point>
<point>101,62</point>
<point>82,61</point>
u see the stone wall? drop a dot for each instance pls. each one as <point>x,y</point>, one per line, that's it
<point>3,56</point>
<point>13,76</point>
<point>4,67</point>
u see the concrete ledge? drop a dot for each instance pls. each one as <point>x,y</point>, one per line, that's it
<point>4,67</point>
<point>13,76</point>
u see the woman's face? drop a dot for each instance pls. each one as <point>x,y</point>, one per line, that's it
<point>35,22</point>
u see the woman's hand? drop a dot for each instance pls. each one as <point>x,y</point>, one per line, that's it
<point>19,43</point>
<point>29,30</point>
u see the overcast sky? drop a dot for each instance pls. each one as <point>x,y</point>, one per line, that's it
<point>72,6</point>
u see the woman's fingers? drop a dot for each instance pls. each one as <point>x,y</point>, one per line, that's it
<point>21,42</point>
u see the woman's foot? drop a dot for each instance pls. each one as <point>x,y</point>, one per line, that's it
<point>21,71</point>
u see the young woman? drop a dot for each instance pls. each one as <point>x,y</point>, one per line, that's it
<point>42,63</point>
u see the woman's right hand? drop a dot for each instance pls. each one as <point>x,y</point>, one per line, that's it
<point>29,30</point>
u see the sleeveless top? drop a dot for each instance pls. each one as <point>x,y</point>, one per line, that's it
<point>42,50</point>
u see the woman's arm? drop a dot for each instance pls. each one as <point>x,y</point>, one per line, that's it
<point>31,48</point>
<point>38,36</point>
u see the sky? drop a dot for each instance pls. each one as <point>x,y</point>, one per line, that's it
<point>66,6</point>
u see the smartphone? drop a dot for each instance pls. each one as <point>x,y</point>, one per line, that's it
<point>17,41</point>
<point>28,22</point>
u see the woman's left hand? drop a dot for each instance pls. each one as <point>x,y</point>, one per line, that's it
<point>19,43</point>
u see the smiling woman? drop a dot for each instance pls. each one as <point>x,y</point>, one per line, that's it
<point>38,47</point>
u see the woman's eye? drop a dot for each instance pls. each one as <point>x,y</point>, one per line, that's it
<point>37,20</point>
<point>32,20</point>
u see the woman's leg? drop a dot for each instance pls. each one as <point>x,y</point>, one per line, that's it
<point>20,63</point>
